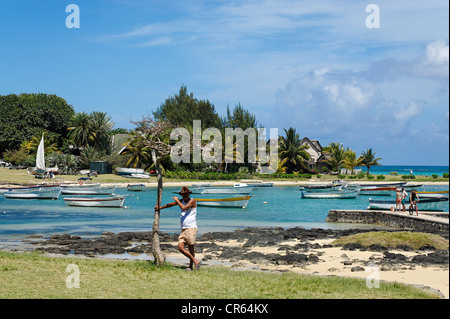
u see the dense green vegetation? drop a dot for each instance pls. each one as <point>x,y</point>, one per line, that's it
<point>73,140</point>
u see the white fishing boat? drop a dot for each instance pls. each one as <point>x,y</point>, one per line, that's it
<point>131,172</point>
<point>253,183</point>
<point>110,201</point>
<point>424,204</point>
<point>200,185</point>
<point>321,188</point>
<point>34,193</point>
<point>333,194</point>
<point>88,190</point>
<point>373,185</point>
<point>136,187</point>
<point>222,190</point>
<point>5,189</point>
<point>232,202</point>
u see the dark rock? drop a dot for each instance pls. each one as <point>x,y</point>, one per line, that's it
<point>357,268</point>
<point>354,246</point>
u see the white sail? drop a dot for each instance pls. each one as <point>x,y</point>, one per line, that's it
<point>40,161</point>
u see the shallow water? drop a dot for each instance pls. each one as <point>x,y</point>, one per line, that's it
<point>273,206</point>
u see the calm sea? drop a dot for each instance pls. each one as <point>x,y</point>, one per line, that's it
<point>406,170</point>
<point>272,206</point>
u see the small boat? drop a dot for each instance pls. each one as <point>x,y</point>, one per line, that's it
<point>136,187</point>
<point>127,172</point>
<point>139,176</point>
<point>232,202</point>
<point>336,194</point>
<point>410,187</point>
<point>88,190</point>
<point>393,184</point>
<point>378,191</point>
<point>110,201</point>
<point>432,194</point>
<point>201,185</point>
<point>34,193</point>
<point>253,183</point>
<point>321,187</point>
<point>5,189</point>
<point>424,204</point>
<point>222,190</point>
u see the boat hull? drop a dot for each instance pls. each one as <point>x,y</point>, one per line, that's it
<point>115,201</point>
<point>136,187</point>
<point>378,191</point>
<point>83,190</point>
<point>34,193</point>
<point>232,202</point>
<point>338,194</point>
<point>425,204</point>
<point>223,190</point>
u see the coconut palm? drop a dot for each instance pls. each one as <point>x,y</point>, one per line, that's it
<point>368,159</point>
<point>137,152</point>
<point>351,161</point>
<point>292,155</point>
<point>101,125</point>
<point>81,132</point>
<point>337,155</point>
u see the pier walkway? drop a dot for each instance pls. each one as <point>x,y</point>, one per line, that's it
<point>426,221</point>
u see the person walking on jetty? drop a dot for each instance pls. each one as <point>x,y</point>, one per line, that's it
<point>188,221</point>
<point>413,199</point>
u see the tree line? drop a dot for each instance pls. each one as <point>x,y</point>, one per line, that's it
<point>73,140</point>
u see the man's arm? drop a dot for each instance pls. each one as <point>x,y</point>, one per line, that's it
<point>166,206</point>
<point>192,203</point>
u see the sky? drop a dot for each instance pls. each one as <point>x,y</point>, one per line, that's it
<point>337,71</point>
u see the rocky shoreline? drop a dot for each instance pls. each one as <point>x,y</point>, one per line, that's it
<point>303,248</point>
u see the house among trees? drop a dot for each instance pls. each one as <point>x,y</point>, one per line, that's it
<point>318,159</point>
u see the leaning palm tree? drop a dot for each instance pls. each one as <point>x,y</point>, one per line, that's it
<point>368,159</point>
<point>293,156</point>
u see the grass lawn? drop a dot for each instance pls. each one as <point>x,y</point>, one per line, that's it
<point>31,275</point>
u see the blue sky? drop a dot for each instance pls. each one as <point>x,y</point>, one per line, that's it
<point>312,65</point>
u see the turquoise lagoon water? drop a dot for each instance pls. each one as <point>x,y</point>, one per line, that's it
<point>405,170</point>
<point>272,206</point>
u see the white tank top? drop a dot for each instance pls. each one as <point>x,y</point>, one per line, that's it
<point>188,217</point>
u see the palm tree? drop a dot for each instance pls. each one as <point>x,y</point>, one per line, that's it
<point>291,153</point>
<point>137,151</point>
<point>337,155</point>
<point>101,125</point>
<point>368,159</point>
<point>81,131</point>
<point>350,160</point>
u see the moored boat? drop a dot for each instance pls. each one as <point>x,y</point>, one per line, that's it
<point>232,202</point>
<point>34,193</point>
<point>131,172</point>
<point>336,194</point>
<point>136,187</point>
<point>110,201</point>
<point>253,183</point>
<point>424,204</point>
<point>88,190</point>
<point>431,194</point>
<point>378,191</point>
<point>222,190</point>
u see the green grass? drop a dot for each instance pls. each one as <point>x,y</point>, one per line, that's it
<point>30,275</point>
<point>393,239</point>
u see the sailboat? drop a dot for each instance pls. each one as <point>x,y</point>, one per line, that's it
<point>40,160</point>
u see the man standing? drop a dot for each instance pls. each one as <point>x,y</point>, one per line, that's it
<point>188,220</point>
